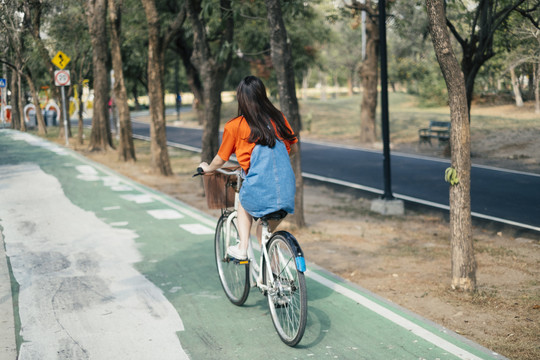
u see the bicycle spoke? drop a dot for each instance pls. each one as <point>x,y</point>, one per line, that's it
<point>234,277</point>
<point>287,294</point>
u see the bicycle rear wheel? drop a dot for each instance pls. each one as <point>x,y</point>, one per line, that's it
<point>234,276</point>
<point>287,295</point>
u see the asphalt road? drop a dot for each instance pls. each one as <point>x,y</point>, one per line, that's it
<point>102,267</point>
<point>500,195</point>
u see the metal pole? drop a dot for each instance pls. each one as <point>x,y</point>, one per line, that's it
<point>384,103</point>
<point>364,40</point>
<point>64,113</point>
<point>2,106</point>
<point>3,94</point>
<point>176,90</point>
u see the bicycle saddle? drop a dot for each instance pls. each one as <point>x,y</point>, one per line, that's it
<point>276,215</point>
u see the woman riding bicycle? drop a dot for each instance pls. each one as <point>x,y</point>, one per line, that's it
<point>262,140</point>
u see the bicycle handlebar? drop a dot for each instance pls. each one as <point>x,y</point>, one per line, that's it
<point>223,171</point>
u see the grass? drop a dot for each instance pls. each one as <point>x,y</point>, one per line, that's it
<point>339,118</point>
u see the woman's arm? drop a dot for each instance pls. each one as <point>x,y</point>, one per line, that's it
<point>216,163</point>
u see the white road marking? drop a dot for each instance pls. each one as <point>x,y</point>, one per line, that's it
<point>109,208</point>
<point>121,188</point>
<point>197,229</point>
<point>395,318</point>
<point>138,198</point>
<point>36,141</point>
<point>86,169</point>
<point>165,214</point>
<point>88,177</point>
<point>120,223</point>
<point>80,296</point>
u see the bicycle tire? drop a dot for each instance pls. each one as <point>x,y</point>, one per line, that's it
<point>287,296</point>
<point>234,277</point>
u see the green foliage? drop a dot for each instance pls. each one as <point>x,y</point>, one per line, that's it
<point>432,88</point>
<point>307,30</point>
<point>322,35</point>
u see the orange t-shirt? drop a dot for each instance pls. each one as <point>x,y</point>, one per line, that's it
<point>235,141</point>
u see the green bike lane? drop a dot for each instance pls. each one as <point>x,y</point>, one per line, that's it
<point>174,245</point>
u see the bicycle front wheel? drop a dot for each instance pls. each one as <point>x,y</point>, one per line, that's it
<point>234,276</point>
<point>287,295</point>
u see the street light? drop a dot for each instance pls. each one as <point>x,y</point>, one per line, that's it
<point>384,103</point>
<point>387,204</point>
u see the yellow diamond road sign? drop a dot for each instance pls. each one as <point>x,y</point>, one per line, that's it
<point>60,60</point>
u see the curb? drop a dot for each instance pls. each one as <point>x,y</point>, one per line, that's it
<point>8,347</point>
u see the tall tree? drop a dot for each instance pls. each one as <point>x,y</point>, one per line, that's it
<point>185,50</point>
<point>12,27</point>
<point>212,56</point>
<point>369,73</point>
<point>158,40</point>
<point>283,66</point>
<point>463,260</point>
<point>68,31</point>
<point>126,149</point>
<point>100,137</point>
<point>481,22</point>
<point>34,11</point>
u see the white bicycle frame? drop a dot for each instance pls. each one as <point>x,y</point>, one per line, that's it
<point>256,275</point>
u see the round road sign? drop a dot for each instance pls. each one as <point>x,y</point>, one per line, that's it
<point>61,78</point>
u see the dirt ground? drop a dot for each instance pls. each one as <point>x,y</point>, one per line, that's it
<point>406,259</point>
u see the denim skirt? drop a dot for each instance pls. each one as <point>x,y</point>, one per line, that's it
<point>270,183</point>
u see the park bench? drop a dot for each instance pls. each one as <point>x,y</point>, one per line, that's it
<point>437,129</point>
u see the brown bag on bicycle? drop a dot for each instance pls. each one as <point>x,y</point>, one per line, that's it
<point>219,189</point>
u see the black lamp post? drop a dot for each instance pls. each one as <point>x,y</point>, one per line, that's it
<point>384,103</point>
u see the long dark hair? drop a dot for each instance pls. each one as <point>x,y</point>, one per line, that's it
<point>259,112</point>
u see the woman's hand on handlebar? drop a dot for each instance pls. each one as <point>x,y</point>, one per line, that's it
<point>216,163</point>
<point>204,166</point>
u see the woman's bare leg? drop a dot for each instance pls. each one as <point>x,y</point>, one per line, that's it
<point>244,227</point>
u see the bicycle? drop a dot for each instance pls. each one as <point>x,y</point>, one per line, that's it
<point>278,274</point>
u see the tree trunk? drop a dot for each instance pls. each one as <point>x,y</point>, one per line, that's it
<point>212,112</point>
<point>322,83</point>
<point>212,68</point>
<point>537,89</point>
<point>100,137</point>
<point>350,83</point>
<point>369,77</point>
<point>282,60</point>
<point>336,87</point>
<point>80,115</point>
<point>515,87</point>
<point>135,95</point>
<point>15,114</point>
<point>530,84</point>
<point>42,129</point>
<point>159,159</point>
<point>192,75</point>
<point>126,149</point>
<point>20,99</point>
<point>305,84</point>
<point>463,261</point>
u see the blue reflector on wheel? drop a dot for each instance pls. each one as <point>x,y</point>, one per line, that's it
<point>300,264</point>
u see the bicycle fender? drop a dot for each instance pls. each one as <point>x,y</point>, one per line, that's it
<point>298,253</point>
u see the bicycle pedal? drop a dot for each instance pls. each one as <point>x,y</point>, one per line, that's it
<point>240,262</point>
